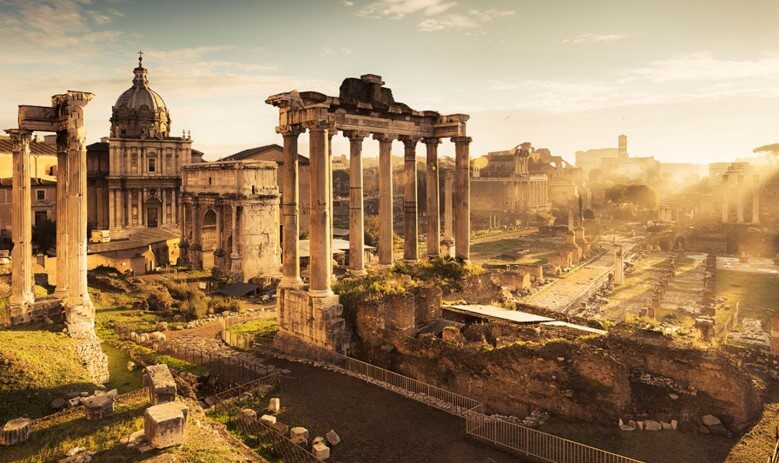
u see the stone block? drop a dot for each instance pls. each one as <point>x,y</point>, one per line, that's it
<point>711,420</point>
<point>674,424</point>
<point>162,386</point>
<point>281,428</point>
<point>248,416</point>
<point>666,426</point>
<point>652,425</point>
<point>298,435</point>
<point>274,406</point>
<point>165,424</point>
<point>332,438</point>
<point>99,406</point>
<point>268,419</point>
<point>15,431</point>
<point>317,440</point>
<point>320,451</point>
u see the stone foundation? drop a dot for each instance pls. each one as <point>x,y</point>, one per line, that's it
<point>313,320</point>
<point>20,314</point>
<point>91,355</point>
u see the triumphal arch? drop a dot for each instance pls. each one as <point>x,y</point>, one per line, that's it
<point>363,108</point>
<point>65,117</point>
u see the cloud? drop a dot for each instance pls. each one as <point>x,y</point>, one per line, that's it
<point>592,38</point>
<point>329,51</point>
<point>704,66</point>
<point>53,23</point>
<point>398,9</point>
<point>347,3</point>
<point>451,21</point>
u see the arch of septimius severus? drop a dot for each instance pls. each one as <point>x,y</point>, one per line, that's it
<point>363,108</point>
<point>65,117</point>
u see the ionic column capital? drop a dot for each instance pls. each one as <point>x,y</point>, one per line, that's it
<point>355,136</point>
<point>290,130</point>
<point>409,142</point>
<point>462,140</point>
<point>19,138</point>
<point>384,137</point>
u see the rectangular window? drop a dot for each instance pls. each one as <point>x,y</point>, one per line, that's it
<point>152,165</point>
<point>40,194</point>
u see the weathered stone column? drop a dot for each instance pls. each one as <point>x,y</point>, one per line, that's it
<point>740,199</point>
<point>410,226</point>
<point>164,200</point>
<point>80,313</point>
<point>21,223</point>
<point>320,260</point>
<point>432,198</point>
<point>290,270</point>
<point>235,254</point>
<point>448,209</point>
<point>462,198</point>
<point>62,216</point>
<point>356,219</point>
<point>385,199</point>
<point>756,200</point>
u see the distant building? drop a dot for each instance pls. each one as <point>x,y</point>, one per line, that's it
<point>44,201</point>
<point>43,163</point>
<point>590,160</point>
<point>275,153</point>
<point>503,188</point>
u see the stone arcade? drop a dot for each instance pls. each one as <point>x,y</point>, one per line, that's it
<point>363,108</point>
<point>65,117</point>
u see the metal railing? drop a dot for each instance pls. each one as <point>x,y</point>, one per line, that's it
<point>428,394</point>
<point>533,443</point>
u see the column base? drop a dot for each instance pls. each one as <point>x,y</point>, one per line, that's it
<point>314,319</point>
<point>291,283</point>
<point>447,248</point>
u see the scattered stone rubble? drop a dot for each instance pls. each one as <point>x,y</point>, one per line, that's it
<point>660,381</point>
<point>15,431</point>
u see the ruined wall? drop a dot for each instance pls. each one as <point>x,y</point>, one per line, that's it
<point>476,289</point>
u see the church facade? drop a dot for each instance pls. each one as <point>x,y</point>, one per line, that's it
<point>134,175</point>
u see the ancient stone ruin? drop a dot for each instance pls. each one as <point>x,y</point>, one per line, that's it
<point>65,117</point>
<point>364,107</point>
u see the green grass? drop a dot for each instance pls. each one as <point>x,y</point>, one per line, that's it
<point>36,367</point>
<point>262,327</point>
<point>121,378</point>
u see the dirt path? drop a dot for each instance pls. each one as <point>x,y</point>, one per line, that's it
<point>375,425</point>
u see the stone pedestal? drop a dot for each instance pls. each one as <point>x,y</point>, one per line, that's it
<point>100,406</point>
<point>160,382</point>
<point>312,319</point>
<point>164,425</point>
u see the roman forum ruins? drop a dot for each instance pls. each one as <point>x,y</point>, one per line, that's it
<point>65,117</point>
<point>735,183</point>
<point>363,108</point>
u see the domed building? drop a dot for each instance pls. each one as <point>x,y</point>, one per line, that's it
<point>134,179</point>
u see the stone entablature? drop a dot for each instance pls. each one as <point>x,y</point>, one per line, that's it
<point>231,218</point>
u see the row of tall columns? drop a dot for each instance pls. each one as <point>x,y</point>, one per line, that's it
<point>320,229</point>
<point>21,220</point>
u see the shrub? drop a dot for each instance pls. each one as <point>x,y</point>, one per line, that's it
<point>191,301</point>
<point>159,298</point>
<point>219,304</point>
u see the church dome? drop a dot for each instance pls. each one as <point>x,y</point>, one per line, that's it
<point>140,112</point>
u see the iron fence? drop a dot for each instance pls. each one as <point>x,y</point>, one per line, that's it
<point>431,395</point>
<point>230,370</point>
<point>533,443</point>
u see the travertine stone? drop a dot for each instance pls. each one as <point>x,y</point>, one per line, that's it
<point>99,406</point>
<point>385,199</point>
<point>15,431</point>
<point>333,438</point>
<point>320,451</point>
<point>410,226</point>
<point>268,419</point>
<point>164,425</point>
<point>299,435</point>
<point>274,406</point>
<point>432,197</point>
<point>162,386</point>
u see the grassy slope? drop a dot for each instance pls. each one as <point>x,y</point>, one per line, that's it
<point>37,366</point>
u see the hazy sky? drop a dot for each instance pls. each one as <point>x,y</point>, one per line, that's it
<point>688,81</point>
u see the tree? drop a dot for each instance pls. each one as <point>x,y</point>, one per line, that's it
<point>643,196</point>
<point>44,235</point>
<point>371,224</point>
<point>341,183</point>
